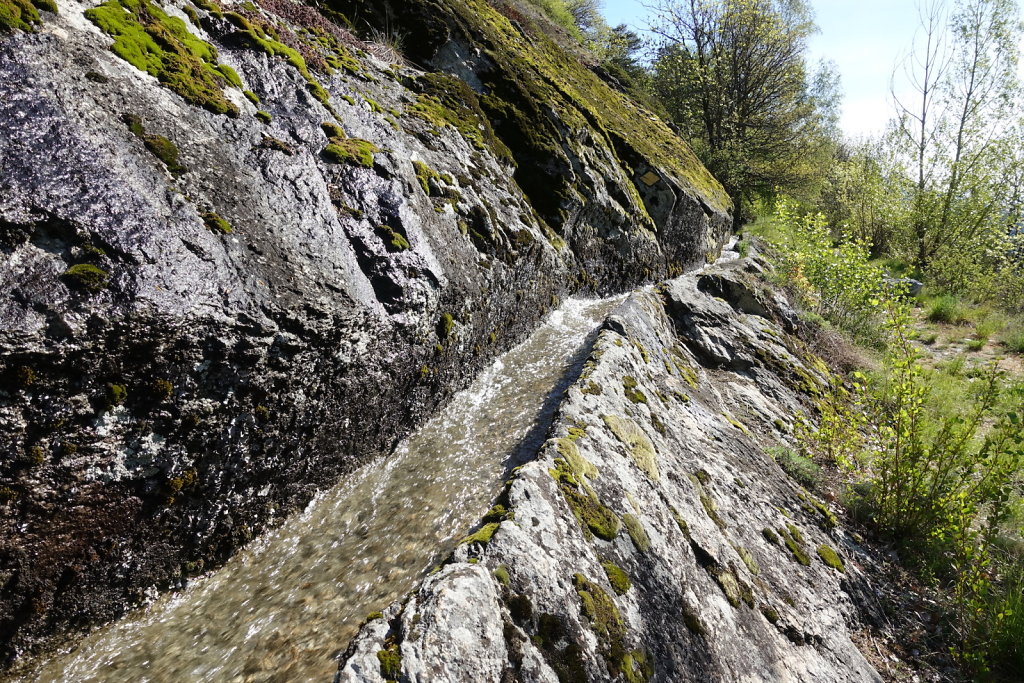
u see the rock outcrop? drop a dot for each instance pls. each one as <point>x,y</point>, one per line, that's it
<point>243,252</point>
<point>652,538</point>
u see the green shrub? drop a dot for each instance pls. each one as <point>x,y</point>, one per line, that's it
<point>989,324</point>
<point>833,279</point>
<point>1013,336</point>
<point>1002,624</point>
<point>945,308</point>
<point>801,468</point>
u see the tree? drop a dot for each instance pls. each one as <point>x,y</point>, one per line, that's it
<point>733,76</point>
<point>862,196</point>
<point>962,82</point>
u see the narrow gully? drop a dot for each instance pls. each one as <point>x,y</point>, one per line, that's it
<point>283,608</point>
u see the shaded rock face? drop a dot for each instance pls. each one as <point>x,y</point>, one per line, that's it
<point>652,538</point>
<point>207,317</point>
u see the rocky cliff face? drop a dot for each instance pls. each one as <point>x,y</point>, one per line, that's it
<point>652,538</point>
<point>243,252</point>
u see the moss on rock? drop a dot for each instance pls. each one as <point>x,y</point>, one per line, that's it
<point>162,46</point>
<point>640,448</point>
<point>23,15</point>
<point>617,578</point>
<point>794,541</point>
<point>581,467</point>
<point>593,516</point>
<point>637,667</point>
<point>351,151</point>
<point>425,174</point>
<point>483,535</point>
<point>390,661</point>
<point>831,558</point>
<point>86,276</point>
<point>604,617</point>
<point>216,224</point>
<point>631,390</point>
<point>393,240</point>
<point>501,574</point>
<point>710,507</point>
<point>636,531</point>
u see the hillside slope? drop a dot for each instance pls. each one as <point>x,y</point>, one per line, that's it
<point>242,254</point>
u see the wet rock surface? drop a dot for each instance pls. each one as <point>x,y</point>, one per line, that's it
<point>207,317</point>
<point>652,538</point>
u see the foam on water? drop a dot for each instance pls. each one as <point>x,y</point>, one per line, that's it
<point>283,609</point>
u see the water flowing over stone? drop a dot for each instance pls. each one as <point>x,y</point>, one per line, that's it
<point>283,608</point>
<point>652,538</point>
<point>242,253</point>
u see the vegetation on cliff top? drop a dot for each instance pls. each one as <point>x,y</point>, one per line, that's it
<point>23,15</point>
<point>162,46</point>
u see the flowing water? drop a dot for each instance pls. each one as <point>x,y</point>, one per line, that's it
<point>282,609</point>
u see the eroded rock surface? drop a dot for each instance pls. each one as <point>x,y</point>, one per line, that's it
<point>242,254</point>
<point>652,538</point>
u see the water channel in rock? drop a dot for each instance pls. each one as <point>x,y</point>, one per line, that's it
<point>282,609</point>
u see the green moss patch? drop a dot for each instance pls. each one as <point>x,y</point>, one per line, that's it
<point>86,276</point>
<point>230,75</point>
<point>390,661</point>
<point>116,394</point>
<point>425,174</point>
<point>264,116</point>
<point>770,613</point>
<point>501,574</point>
<point>640,448</point>
<point>727,581</point>
<point>445,100</point>
<point>637,666</point>
<point>333,130</point>
<point>604,617</point>
<point>159,146</point>
<point>351,151</point>
<point>693,621</point>
<point>629,386</point>
<point>446,325</point>
<point>831,558</point>
<point>593,517</point>
<point>216,224</point>
<point>23,15</point>
<point>580,466</point>
<point>710,507</point>
<point>162,46</point>
<point>617,578</point>
<point>637,533</point>
<point>393,240</point>
<point>791,536</point>
<point>261,39</point>
<point>483,535</point>
<point>748,559</point>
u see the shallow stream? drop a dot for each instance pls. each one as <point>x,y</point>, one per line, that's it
<point>282,609</point>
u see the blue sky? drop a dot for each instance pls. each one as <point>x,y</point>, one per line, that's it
<point>865,39</point>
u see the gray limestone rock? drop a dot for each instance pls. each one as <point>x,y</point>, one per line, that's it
<point>206,318</point>
<point>652,538</point>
